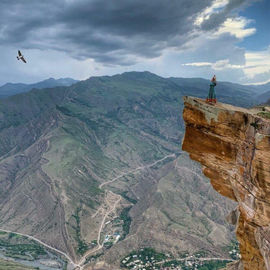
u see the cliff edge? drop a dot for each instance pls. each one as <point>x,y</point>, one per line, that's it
<point>233,145</point>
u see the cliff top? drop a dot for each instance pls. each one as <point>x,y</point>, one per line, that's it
<point>260,110</point>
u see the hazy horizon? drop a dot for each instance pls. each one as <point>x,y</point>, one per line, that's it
<point>58,78</point>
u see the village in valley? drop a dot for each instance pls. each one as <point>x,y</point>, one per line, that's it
<point>149,259</point>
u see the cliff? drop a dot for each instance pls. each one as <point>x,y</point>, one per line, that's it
<point>233,146</point>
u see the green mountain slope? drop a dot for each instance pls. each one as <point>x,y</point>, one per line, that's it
<point>103,157</point>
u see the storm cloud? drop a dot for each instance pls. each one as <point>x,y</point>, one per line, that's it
<point>111,32</point>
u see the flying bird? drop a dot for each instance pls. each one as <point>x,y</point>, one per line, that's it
<point>20,57</point>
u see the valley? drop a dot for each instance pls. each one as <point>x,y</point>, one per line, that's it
<point>95,170</point>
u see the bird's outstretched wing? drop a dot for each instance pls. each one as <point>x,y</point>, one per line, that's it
<point>23,59</point>
<point>19,53</point>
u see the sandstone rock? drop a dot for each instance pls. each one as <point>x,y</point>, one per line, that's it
<point>233,145</point>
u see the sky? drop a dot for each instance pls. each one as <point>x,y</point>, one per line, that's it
<point>172,38</point>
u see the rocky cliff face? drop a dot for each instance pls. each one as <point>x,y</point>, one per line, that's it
<point>233,145</point>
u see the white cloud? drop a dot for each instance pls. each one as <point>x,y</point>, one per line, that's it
<point>257,68</point>
<point>218,65</point>
<point>259,83</point>
<point>198,64</point>
<point>205,14</point>
<point>225,64</point>
<point>237,27</point>
<point>219,53</point>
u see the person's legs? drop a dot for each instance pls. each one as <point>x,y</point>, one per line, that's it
<point>210,94</point>
<point>214,95</point>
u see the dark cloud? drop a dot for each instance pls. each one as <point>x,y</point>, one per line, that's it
<point>112,32</point>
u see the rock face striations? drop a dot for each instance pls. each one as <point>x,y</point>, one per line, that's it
<point>233,145</point>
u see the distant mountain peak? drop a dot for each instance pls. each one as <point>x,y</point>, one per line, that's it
<point>140,74</point>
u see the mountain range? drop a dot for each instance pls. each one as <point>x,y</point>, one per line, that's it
<point>260,93</point>
<point>10,89</point>
<point>102,158</point>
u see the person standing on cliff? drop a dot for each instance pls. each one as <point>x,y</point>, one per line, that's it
<point>211,98</point>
